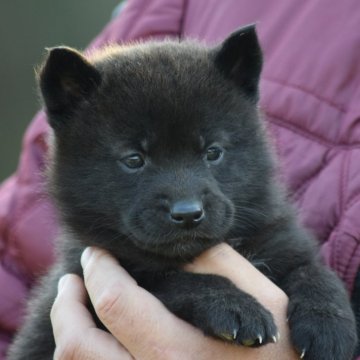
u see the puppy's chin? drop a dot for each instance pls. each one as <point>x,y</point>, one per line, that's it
<point>182,249</point>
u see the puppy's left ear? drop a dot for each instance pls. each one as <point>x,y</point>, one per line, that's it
<point>239,57</point>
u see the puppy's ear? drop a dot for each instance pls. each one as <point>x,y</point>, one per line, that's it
<point>239,57</point>
<point>66,79</point>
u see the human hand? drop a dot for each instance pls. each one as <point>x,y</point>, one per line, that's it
<point>141,327</point>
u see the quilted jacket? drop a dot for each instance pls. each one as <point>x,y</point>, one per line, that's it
<point>310,97</point>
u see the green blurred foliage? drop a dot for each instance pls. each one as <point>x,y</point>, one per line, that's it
<point>26,28</point>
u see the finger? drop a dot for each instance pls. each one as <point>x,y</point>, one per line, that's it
<point>70,300</point>
<point>75,332</point>
<point>135,317</point>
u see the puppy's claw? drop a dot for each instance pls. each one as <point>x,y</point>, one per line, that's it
<point>260,339</point>
<point>234,334</point>
<point>274,338</point>
<point>302,354</point>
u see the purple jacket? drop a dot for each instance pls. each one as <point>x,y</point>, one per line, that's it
<point>310,96</point>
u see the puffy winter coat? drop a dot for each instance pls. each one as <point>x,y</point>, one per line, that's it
<point>310,96</point>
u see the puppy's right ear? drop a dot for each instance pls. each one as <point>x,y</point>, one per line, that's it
<point>239,58</point>
<point>66,79</point>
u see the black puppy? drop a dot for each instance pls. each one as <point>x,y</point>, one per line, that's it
<point>159,154</point>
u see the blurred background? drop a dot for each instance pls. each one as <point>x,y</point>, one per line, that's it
<point>26,28</point>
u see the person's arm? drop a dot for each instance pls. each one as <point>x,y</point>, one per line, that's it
<point>140,323</point>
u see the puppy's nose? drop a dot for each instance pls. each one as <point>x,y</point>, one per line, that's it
<point>187,213</point>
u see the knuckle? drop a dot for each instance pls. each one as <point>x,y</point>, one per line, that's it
<point>71,350</point>
<point>110,305</point>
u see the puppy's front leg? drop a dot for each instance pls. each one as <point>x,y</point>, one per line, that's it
<point>216,306</point>
<point>322,325</point>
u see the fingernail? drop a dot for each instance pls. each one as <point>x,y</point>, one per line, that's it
<point>85,256</point>
<point>62,282</point>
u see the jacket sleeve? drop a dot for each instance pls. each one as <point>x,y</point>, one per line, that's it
<point>27,220</point>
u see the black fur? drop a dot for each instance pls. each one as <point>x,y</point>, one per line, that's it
<point>136,129</point>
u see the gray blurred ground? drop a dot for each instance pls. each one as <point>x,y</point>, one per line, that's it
<point>26,28</point>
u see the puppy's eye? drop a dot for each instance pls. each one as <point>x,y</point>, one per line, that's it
<point>133,161</point>
<point>214,154</point>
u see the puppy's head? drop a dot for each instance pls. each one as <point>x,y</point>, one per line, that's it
<point>159,142</point>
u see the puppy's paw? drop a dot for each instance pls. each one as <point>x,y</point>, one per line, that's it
<point>322,335</point>
<point>239,318</point>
